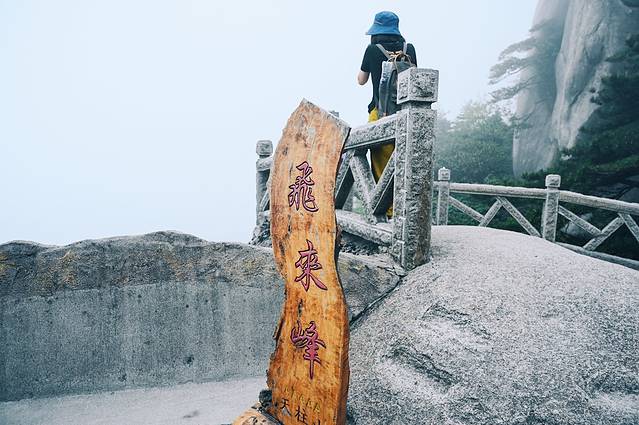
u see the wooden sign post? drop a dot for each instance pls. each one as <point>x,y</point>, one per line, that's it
<point>308,374</point>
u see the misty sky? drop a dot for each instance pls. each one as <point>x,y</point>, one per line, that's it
<point>127,117</point>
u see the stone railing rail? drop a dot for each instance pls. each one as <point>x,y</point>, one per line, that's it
<point>405,183</point>
<point>552,209</point>
<point>407,186</point>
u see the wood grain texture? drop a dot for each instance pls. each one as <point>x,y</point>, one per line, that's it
<point>308,373</point>
<point>254,417</point>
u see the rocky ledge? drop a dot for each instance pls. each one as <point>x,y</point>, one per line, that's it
<point>500,328</point>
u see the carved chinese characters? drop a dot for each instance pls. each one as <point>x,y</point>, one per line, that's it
<point>309,340</point>
<point>299,407</point>
<point>308,373</point>
<point>302,192</point>
<point>302,189</point>
<point>307,263</point>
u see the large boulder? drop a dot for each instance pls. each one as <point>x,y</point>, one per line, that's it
<point>500,328</point>
<point>156,309</point>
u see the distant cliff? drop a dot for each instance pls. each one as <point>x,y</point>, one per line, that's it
<point>590,32</point>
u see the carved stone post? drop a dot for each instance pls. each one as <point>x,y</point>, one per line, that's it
<point>413,191</point>
<point>551,207</point>
<point>264,149</point>
<point>443,175</point>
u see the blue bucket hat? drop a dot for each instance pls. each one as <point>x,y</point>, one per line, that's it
<point>385,23</point>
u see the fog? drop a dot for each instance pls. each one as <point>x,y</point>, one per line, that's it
<point>127,117</point>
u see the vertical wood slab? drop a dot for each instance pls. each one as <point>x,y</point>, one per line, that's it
<point>308,374</point>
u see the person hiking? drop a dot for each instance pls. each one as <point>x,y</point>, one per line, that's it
<point>385,33</point>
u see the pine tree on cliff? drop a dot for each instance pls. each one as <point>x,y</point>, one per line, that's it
<point>537,55</point>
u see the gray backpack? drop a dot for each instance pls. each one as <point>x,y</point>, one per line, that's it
<point>395,63</point>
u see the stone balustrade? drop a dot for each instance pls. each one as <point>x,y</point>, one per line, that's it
<point>407,186</point>
<point>406,183</point>
<point>552,197</point>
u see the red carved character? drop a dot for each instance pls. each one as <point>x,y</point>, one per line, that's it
<point>302,189</point>
<point>308,262</point>
<point>308,338</point>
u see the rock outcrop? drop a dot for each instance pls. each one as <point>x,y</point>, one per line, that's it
<point>592,31</point>
<point>500,328</point>
<point>158,309</point>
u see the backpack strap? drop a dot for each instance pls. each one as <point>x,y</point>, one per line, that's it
<point>405,47</point>
<point>384,51</point>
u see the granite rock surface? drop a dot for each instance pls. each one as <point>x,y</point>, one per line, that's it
<point>157,309</point>
<point>500,328</point>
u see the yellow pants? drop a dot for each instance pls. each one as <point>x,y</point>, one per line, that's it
<point>380,156</point>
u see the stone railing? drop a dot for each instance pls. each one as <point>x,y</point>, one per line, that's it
<point>405,184</point>
<point>552,198</point>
